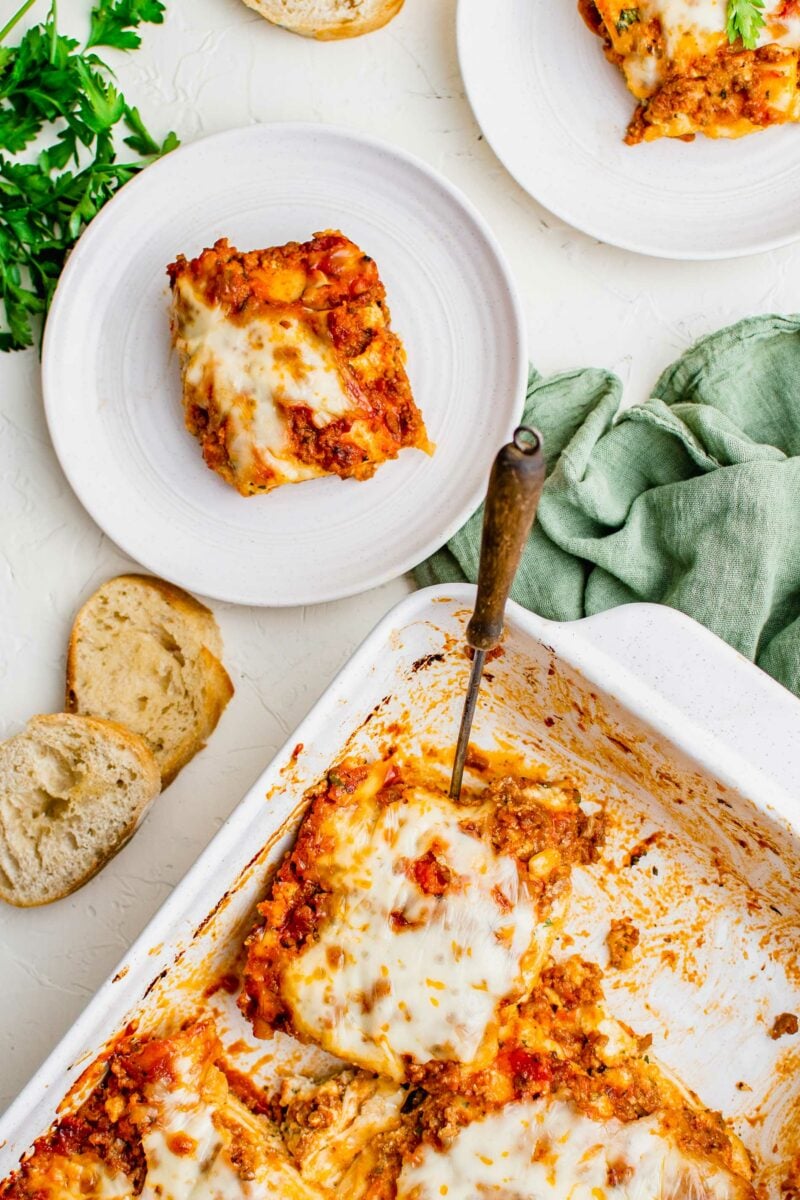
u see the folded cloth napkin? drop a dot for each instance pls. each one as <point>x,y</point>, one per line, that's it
<point>690,500</point>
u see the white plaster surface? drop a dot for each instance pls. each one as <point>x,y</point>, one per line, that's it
<point>212,66</point>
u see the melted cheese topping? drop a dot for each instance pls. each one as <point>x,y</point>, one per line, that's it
<point>687,24</point>
<point>190,1128</point>
<point>259,369</point>
<point>56,1177</point>
<point>694,27</point>
<point>538,1150</point>
<point>182,1144</point>
<point>668,35</point>
<point>395,971</point>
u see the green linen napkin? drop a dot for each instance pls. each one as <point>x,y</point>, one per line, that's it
<point>690,500</point>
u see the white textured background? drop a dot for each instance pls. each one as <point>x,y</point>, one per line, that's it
<point>212,66</point>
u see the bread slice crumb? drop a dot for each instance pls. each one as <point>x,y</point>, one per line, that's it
<point>146,654</point>
<point>73,789</point>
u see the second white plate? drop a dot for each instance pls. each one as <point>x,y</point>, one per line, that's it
<point>112,389</point>
<point>555,113</point>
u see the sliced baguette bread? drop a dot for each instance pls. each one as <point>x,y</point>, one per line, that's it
<point>146,655</point>
<point>72,791</point>
<point>328,20</point>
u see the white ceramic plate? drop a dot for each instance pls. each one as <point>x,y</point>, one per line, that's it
<point>111,382</point>
<point>555,113</point>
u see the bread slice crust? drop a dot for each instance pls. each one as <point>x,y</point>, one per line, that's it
<point>334,29</point>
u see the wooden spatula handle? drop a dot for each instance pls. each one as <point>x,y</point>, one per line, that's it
<point>515,486</point>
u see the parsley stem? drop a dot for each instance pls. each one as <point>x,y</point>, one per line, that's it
<point>53,32</point>
<point>91,169</point>
<point>18,15</point>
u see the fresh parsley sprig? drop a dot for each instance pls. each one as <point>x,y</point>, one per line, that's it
<point>114,22</point>
<point>51,89</point>
<point>745,21</point>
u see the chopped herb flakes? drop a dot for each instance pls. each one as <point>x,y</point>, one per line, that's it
<point>626,18</point>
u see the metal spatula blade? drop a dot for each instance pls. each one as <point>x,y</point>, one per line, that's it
<point>515,486</point>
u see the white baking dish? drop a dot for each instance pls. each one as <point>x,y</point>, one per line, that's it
<point>681,736</point>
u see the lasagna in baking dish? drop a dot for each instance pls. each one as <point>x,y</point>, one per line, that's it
<point>411,937</point>
<point>719,67</point>
<point>289,366</point>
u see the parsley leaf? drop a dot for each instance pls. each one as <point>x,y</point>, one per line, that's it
<point>19,303</point>
<point>114,22</point>
<point>745,21</point>
<point>626,18</point>
<point>140,141</point>
<point>52,90</point>
<point>17,131</point>
<point>100,105</point>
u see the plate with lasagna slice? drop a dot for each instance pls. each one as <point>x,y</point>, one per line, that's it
<point>668,127</point>
<point>290,386</point>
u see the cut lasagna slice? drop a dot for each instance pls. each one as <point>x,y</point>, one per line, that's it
<point>290,369</point>
<point>94,1153</point>
<point>163,1125</point>
<point>57,1171</point>
<point>401,924</point>
<point>688,78</point>
<point>573,1105</point>
<point>198,1139</point>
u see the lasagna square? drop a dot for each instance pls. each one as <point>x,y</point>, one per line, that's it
<point>691,74</point>
<point>163,1124</point>
<point>290,369</point>
<point>401,924</point>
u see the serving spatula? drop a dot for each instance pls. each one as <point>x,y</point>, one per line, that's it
<point>515,486</point>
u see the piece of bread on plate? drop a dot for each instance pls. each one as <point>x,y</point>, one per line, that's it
<point>146,654</point>
<point>72,791</point>
<point>328,20</point>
